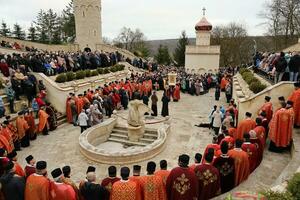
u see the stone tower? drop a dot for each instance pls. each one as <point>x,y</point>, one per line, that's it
<point>88,23</point>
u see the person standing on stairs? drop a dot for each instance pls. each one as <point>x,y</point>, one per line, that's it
<point>10,93</point>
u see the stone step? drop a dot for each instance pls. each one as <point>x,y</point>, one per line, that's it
<point>116,135</point>
<point>61,121</point>
<point>126,142</point>
<point>150,136</point>
<point>147,140</point>
<point>121,132</point>
<point>120,128</point>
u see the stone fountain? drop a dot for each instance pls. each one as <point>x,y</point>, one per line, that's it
<point>113,142</point>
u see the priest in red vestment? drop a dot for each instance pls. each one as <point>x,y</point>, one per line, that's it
<point>163,172</point>
<point>295,98</point>
<point>182,183</point>
<point>59,190</point>
<point>228,139</point>
<point>37,184</point>
<point>214,146</point>
<point>259,146</point>
<point>13,156</point>
<point>68,109</point>
<point>125,189</point>
<point>43,122</point>
<point>241,163</point>
<point>260,131</point>
<point>197,159</point>
<point>152,186</point>
<point>176,94</point>
<point>22,127</point>
<point>251,150</point>
<point>79,103</point>
<point>29,117</point>
<point>30,167</point>
<point>281,129</point>
<point>267,108</point>
<point>232,130</point>
<point>110,180</point>
<point>245,126</point>
<point>208,179</point>
<point>5,144</point>
<point>225,165</point>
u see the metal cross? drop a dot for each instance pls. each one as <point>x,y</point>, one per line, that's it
<point>204,10</point>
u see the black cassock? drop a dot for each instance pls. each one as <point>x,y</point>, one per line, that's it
<point>165,107</point>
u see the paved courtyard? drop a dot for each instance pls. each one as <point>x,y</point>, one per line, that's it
<point>61,146</point>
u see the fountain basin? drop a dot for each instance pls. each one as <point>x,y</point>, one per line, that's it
<point>96,145</point>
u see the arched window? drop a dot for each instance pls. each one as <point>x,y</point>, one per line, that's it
<point>83,14</point>
<point>95,32</point>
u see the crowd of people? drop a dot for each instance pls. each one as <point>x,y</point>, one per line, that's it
<point>283,66</point>
<point>235,152</point>
<point>16,46</point>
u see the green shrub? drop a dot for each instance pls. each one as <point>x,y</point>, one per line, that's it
<point>61,78</point>
<point>243,70</point>
<point>251,79</point>
<point>100,71</point>
<point>70,76</point>
<point>257,87</point>
<point>88,73</point>
<point>113,69</point>
<point>294,186</point>
<point>120,67</point>
<point>106,71</point>
<point>278,195</point>
<point>94,73</point>
<point>80,75</point>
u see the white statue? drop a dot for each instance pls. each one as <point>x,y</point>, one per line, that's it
<point>136,112</point>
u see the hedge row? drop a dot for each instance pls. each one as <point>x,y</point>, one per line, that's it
<point>254,84</point>
<point>70,76</point>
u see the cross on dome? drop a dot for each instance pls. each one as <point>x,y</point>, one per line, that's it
<point>204,11</point>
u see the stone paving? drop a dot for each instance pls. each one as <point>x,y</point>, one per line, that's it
<point>61,146</point>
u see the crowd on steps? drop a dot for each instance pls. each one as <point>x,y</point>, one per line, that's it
<point>280,66</point>
<point>16,46</point>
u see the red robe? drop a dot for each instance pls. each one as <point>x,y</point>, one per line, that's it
<point>281,128</point>
<point>19,170</point>
<point>295,97</point>
<point>152,188</point>
<point>6,132</point>
<point>79,104</point>
<point>163,174</point>
<point>225,165</point>
<point>125,190</point>
<point>241,165</point>
<point>251,150</point>
<point>208,181</point>
<point>31,123</point>
<point>232,131</point>
<point>268,108</point>
<point>69,111</point>
<point>37,187</point>
<point>29,170</point>
<point>43,120</point>
<point>176,94</point>
<point>230,142</point>
<point>61,191</point>
<point>224,82</point>
<point>22,127</point>
<point>261,134</point>
<point>4,143</point>
<point>244,126</point>
<point>260,149</point>
<point>108,183</point>
<point>216,147</point>
<point>182,184</point>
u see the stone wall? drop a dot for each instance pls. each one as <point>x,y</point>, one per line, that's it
<point>57,92</point>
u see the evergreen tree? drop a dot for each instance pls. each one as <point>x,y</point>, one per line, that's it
<point>179,53</point>
<point>41,27</point>
<point>4,31</point>
<point>68,23</point>
<point>32,36</point>
<point>18,32</point>
<point>163,57</point>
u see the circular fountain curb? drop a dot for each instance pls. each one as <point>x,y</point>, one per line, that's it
<point>100,134</point>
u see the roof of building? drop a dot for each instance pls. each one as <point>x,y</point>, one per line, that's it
<point>203,25</point>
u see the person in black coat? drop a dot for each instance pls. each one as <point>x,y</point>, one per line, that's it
<point>91,190</point>
<point>12,185</point>
<point>217,93</point>
<point>294,67</point>
<point>280,66</point>
<point>165,107</point>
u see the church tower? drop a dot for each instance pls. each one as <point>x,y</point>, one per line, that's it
<point>88,23</point>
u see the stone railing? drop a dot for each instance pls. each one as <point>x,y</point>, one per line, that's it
<point>249,102</point>
<point>94,136</point>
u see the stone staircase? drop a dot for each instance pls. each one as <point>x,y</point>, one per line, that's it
<point>120,135</point>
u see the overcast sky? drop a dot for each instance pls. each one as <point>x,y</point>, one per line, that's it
<point>158,19</point>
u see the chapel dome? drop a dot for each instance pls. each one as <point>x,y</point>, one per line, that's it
<point>203,25</point>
